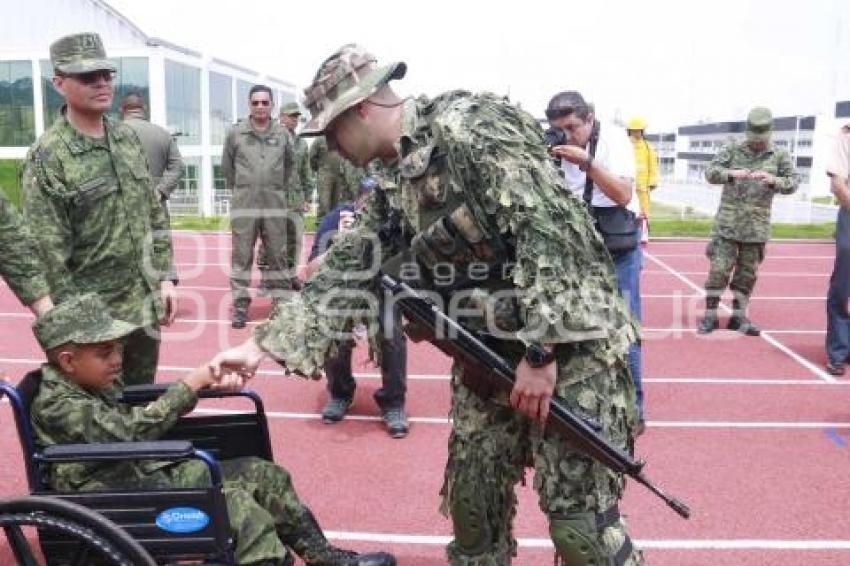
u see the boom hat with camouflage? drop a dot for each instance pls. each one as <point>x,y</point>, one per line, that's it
<point>83,319</point>
<point>759,124</point>
<point>290,108</point>
<point>346,78</point>
<point>79,53</point>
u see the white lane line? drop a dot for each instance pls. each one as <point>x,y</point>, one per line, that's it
<point>655,544</point>
<point>764,335</point>
<point>766,273</point>
<point>695,297</point>
<point>288,415</point>
<point>675,329</point>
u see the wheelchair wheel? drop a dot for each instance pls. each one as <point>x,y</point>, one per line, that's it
<point>99,540</point>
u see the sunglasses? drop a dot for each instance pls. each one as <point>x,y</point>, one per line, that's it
<point>92,77</point>
<point>260,103</point>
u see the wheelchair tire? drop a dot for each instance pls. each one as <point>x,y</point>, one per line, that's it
<point>108,542</point>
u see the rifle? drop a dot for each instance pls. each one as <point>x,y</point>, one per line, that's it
<point>464,346</point>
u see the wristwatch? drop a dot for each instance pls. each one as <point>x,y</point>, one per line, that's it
<point>537,356</point>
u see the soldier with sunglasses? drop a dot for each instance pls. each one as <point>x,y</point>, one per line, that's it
<point>88,202</point>
<point>257,162</point>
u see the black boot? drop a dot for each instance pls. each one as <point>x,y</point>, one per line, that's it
<point>309,542</point>
<point>709,323</point>
<point>739,320</point>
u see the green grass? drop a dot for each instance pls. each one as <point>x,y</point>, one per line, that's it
<point>671,227</point>
<point>10,179</point>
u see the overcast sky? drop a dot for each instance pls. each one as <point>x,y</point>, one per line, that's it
<point>674,62</point>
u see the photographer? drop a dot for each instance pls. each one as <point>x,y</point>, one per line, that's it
<point>598,166</point>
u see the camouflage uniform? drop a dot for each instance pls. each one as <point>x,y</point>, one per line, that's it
<point>478,193</point>
<point>336,177</point>
<point>264,510</point>
<point>20,263</point>
<point>257,167</point>
<point>301,191</point>
<point>99,226</point>
<point>742,224</point>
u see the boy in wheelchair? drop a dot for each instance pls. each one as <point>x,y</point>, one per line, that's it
<point>77,403</point>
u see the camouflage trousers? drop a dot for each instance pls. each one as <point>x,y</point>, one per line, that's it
<point>278,234</point>
<point>725,256</point>
<point>141,354</point>
<point>262,505</point>
<point>491,445</point>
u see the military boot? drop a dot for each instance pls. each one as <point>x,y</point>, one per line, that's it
<point>240,318</point>
<point>709,323</point>
<point>739,320</point>
<point>309,542</point>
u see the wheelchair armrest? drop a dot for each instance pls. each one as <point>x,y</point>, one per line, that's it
<point>166,449</point>
<point>138,394</point>
<point>156,450</point>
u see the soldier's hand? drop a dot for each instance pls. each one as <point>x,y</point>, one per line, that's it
<point>739,174</point>
<point>231,383</point>
<point>169,301</point>
<point>763,177</point>
<point>242,360</point>
<point>533,390</point>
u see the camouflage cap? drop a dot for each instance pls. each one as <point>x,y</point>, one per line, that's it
<point>759,124</point>
<point>290,108</point>
<point>82,320</point>
<point>347,77</point>
<point>79,53</point>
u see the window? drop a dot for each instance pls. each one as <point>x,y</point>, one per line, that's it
<point>221,106</point>
<point>183,102</point>
<point>694,144</point>
<point>781,143</point>
<point>242,98</point>
<point>186,198</point>
<point>804,143</point>
<point>17,113</point>
<point>706,143</point>
<point>131,76</point>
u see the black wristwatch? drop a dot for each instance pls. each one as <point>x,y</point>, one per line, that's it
<point>537,356</point>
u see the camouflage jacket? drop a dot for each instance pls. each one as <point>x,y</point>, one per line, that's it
<point>99,224</point>
<point>744,213</point>
<point>492,157</point>
<point>65,413</point>
<point>257,166</point>
<point>20,263</point>
<point>302,178</point>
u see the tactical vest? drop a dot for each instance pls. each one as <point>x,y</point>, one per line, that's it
<point>458,253</point>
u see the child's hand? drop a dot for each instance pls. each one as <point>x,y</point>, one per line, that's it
<point>230,383</point>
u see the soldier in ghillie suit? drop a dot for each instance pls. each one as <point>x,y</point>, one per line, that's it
<point>77,403</point>
<point>88,201</point>
<point>752,172</point>
<point>491,230</point>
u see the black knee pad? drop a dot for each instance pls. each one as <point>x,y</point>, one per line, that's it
<point>471,523</point>
<point>576,539</point>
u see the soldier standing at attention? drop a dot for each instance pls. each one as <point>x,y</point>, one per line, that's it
<point>492,231</point>
<point>751,172</point>
<point>88,201</point>
<point>164,161</point>
<point>256,163</point>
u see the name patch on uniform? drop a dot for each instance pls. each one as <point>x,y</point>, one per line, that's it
<point>182,520</point>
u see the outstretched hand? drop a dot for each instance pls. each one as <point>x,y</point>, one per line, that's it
<point>242,361</point>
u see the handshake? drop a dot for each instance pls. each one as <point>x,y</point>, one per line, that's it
<point>228,370</point>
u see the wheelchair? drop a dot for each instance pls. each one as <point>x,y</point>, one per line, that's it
<point>171,525</point>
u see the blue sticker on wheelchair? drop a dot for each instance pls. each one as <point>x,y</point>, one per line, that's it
<point>182,520</point>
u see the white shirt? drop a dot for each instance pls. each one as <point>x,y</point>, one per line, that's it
<point>615,154</point>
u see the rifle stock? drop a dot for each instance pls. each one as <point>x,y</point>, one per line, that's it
<point>467,348</point>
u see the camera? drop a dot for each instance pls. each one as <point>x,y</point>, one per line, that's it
<point>555,136</point>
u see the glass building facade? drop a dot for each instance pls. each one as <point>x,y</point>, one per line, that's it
<point>183,102</point>
<point>17,115</point>
<point>221,106</point>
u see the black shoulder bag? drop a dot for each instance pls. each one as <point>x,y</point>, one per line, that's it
<point>617,224</point>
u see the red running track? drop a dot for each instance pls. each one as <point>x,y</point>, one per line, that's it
<point>749,431</point>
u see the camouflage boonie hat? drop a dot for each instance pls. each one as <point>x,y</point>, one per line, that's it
<point>81,320</point>
<point>345,78</point>
<point>79,53</point>
<point>290,108</point>
<point>759,124</point>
